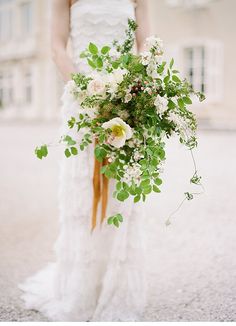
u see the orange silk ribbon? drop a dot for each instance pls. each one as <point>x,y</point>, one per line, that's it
<point>100,191</point>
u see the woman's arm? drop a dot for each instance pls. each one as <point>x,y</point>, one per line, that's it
<point>142,19</point>
<point>60,33</point>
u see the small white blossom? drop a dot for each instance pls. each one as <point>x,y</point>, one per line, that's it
<point>137,156</point>
<point>132,173</point>
<point>134,142</point>
<point>111,157</point>
<point>145,57</point>
<point>154,43</point>
<point>161,104</point>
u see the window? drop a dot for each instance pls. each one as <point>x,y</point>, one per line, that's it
<point>6,21</point>
<point>188,4</point>
<point>203,67</point>
<point>26,18</point>
<point>28,87</point>
<point>194,58</point>
<point>6,89</point>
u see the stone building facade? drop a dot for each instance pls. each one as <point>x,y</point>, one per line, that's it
<point>29,87</point>
<point>197,33</point>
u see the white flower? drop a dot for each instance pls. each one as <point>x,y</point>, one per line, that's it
<point>111,157</point>
<point>161,104</point>
<point>120,132</point>
<point>96,87</point>
<point>154,43</point>
<point>137,156</point>
<point>152,69</point>
<point>132,173</point>
<point>114,79</point>
<point>145,57</point>
<point>128,97</point>
<point>134,142</point>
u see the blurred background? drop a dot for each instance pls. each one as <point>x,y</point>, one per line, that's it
<point>192,263</point>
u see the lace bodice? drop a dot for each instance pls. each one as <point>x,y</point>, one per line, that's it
<point>98,21</point>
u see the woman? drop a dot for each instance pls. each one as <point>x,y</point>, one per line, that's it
<point>98,276</point>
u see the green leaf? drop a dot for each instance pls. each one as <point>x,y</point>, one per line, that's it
<point>120,217</point>
<point>69,140</point>
<point>118,186</point>
<point>115,64</point>
<point>138,190</point>
<point>122,195</point>
<point>91,63</point>
<point>93,48</point>
<point>171,63</point>
<point>145,183</point>
<point>67,152</point>
<point>188,195</point>
<point>81,147</point>
<point>176,79</point>
<point>166,79</point>
<point>116,222</point>
<point>41,151</point>
<point>171,104</point>
<point>103,169</point>
<point>110,220</point>
<point>181,103</point>
<point>158,181</point>
<point>137,198</point>
<point>74,150</point>
<point>147,190</point>
<point>187,100</point>
<point>105,50</point>
<point>132,191</point>
<point>99,62</point>
<point>100,153</point>
<point>156,189</point>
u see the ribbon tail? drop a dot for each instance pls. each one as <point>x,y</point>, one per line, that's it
<point>96,191</point>
<point>105,183</point>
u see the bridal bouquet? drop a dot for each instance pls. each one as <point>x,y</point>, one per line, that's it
<point>130,104</point>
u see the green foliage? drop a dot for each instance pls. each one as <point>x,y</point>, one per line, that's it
<point>115,220</point>
<point>41,151</point>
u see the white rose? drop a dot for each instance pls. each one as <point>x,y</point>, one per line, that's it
<point>121,131</point>
<point>96,87</point>
<point>161,104</point>
<point>118,74</point>
<point>128,97</point>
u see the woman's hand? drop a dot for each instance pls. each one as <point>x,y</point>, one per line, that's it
<point>59,37</point>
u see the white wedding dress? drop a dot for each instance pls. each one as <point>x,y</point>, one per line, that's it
<point>97,276</point>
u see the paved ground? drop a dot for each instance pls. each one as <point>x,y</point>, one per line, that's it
<point>191,263</point>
